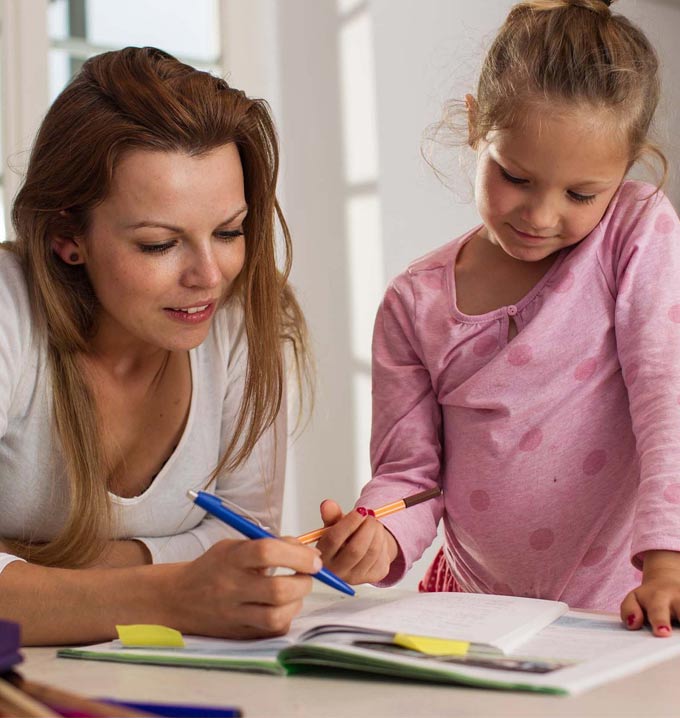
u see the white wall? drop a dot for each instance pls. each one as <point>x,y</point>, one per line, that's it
<point>423,51</point>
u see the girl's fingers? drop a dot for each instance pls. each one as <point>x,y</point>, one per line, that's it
<point>339,535</point>
<point>360,551</point>
<point>632,614</point>
<point>331,512</point>
<point>659,617</point>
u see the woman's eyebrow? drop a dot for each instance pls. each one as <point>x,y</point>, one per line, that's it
<point>153,223</point>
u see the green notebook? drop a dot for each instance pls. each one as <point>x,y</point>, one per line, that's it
<point>509,643</point>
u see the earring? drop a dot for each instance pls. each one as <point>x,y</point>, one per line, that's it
<point>73,257</point>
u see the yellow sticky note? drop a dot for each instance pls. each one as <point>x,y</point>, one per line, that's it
<point>432,646</point>
<point>141,635</point>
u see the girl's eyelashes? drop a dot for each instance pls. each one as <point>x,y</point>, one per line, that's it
<point>510,178</point>
<point>581,198</point>
<point>574,196</point>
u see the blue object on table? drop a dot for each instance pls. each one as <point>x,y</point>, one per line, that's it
<point>213,505</point>
<point>10,640</point>
<point>176,711</point>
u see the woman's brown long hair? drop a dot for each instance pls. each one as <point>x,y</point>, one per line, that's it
<point>144,99</point>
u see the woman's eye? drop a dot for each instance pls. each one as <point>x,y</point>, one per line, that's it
<point>156,248</point>
<point>510,178</point>
<point>583,198</point>
<point>228,234</point>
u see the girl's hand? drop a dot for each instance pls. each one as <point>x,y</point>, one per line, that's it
<point>356,547</point>
<point>658,597</point>
<point>229,591</point>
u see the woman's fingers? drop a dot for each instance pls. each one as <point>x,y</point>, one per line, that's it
<point>276,553</point>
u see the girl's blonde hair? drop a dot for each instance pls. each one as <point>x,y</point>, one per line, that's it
<point>144,99</point>
<point>568,52</point>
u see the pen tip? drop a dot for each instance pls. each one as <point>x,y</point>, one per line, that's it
<point>192,494</point>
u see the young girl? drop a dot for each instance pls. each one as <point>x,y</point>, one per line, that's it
<point>141,335</point>
<point>531,367</point>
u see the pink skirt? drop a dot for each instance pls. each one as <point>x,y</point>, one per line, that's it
<point>438,576</point>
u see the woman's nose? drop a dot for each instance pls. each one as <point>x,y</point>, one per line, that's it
<point>202,270</point>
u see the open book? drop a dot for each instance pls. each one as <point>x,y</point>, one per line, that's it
<point>494,641</point>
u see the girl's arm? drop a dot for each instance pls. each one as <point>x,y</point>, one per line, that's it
<point>227,592</point>
<point>405,455</point>
<point>646,261</point>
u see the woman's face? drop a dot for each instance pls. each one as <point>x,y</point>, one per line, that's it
<point>165,246</point>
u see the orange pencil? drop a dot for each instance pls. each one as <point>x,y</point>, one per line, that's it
<point>385,510</point>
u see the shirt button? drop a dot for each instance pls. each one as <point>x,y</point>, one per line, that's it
<point>512,310</point>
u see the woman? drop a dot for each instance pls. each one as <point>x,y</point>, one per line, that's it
<point>141,355</point>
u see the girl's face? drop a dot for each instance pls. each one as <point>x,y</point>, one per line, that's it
<point>546,184</point>
<point>163,249</point>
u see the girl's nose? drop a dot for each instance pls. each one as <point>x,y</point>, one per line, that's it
<point>541,213</point>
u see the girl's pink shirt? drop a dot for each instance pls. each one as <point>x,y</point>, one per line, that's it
<point>558,451</point>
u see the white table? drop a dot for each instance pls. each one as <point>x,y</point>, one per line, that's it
<point>654,692</point>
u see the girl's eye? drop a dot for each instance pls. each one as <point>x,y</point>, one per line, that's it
<point>156,248</point>
<point>507,176</point>
<point>228,234</point>
<point>582,198</point>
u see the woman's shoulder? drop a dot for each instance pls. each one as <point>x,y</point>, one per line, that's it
<point>13,286</point>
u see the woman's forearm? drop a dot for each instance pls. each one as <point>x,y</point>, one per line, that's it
<point>57,606</point>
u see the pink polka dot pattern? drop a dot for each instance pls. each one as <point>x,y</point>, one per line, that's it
<point>520,354</point>
<point>674,313</point>
<point>479,500</point>
<point>485,345</point>
<point>594,556</point>
<point>632,374</point>
<point>585,369</point>
<point>541,539</point>
<point>531,440</point>
<point>672,493</point>
<point>563,283</point>
<point>594,462</point>
<point>664,224</point>
<point>502,589</point>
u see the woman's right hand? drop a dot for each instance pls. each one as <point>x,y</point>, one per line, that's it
<point>229,591</point>
<point>355,546</point>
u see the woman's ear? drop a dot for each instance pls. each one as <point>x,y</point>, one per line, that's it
<point>68,249</point>
<point>471,107</point>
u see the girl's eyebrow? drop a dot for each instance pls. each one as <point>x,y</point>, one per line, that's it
<point>162,225</point>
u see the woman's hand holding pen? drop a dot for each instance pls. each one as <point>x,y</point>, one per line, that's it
<point>229,592</point>
<point>356,547</point>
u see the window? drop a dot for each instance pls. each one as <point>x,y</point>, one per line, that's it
<point>44,42</point>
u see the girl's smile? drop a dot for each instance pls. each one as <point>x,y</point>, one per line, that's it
<point>546,184</point>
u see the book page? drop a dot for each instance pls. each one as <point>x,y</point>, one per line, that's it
<point>501,621</point>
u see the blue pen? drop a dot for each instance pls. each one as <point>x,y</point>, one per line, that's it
<point>176,711</point>
<point>213,505</point>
